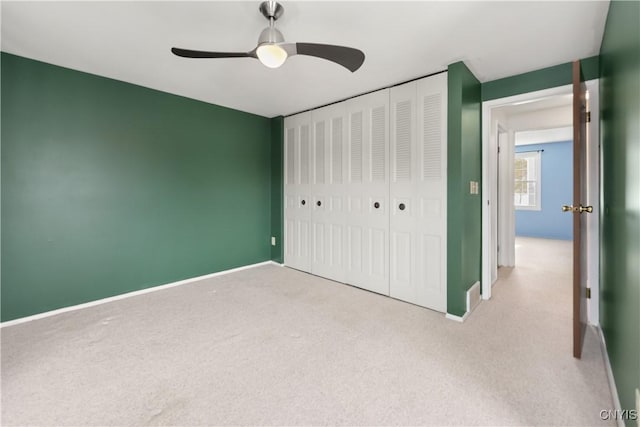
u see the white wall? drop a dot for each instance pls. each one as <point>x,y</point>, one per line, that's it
<point>543,136</point>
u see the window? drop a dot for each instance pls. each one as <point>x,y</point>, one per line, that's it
<point>527,181</point>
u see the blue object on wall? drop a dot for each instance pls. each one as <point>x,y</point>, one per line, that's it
<point>556,190</point>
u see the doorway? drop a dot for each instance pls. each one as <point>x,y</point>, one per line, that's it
<point>514,124</point>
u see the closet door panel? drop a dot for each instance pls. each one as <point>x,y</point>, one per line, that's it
<point>377,192</point>
<point>378,257</point>
<point>328,211</point>
<point>418,192</point>
<point>431,190</point>
<point>367,192</point>
<point>297,212</point>
<point>402,189</point>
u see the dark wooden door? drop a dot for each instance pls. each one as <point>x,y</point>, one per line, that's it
<point>579,196</point>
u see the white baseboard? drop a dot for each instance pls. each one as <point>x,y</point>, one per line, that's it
<point>457,318</point>
<point>129,295</point>
<point>473,297</point>
<point>612,381</point>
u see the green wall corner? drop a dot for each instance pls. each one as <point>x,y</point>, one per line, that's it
<point>277,187</point>
<point>464,162</point>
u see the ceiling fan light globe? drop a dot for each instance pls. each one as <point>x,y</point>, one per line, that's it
<point>271,55</point>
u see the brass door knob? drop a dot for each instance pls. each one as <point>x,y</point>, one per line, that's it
<point>579,209</point>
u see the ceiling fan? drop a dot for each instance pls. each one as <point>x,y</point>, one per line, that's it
<point>273,51</point>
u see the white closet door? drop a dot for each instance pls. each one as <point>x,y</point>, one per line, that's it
<point>328,209</point>
<point>367,191</point>
<point>419,192</point>
<point>431,193</point>
<point>403,282</point>
<point>297,191</point>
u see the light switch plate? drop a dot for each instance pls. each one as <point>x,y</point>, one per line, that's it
<point>473,187</point>
<point>273,241</point>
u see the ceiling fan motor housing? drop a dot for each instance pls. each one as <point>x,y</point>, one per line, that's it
<point>270,35</point>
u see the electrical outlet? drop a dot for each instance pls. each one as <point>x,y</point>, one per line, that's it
<point>273,241</point>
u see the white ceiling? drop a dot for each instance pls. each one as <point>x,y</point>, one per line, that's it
<point>546,113</point>
<point>555,101</point>
<point>130,41</point>
<point>544,136</point>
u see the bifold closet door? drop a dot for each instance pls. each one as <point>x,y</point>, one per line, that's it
<point>402,280</point>
<point>297,191</point>
<point>367,192</point>
<point>431,191</point>
<point>328,218</point>
<point>419,192</point>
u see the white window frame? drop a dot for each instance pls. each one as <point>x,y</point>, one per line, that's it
<point>538,180</point>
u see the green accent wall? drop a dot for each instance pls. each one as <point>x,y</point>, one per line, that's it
<point>557,75</point>
<point>464,163</point>
<point>109,187</point>
<point>277,187</point>
<point>620,196</point>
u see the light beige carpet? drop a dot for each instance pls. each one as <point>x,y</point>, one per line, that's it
<point>276,346</point>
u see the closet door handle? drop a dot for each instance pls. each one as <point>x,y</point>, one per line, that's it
<point>376,205</point>
<point>401,206</point>
<point>303,202</point>
<point>319,203</point>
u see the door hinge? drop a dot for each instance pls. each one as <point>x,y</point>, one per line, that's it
<point>588,293</point>
<point>588,117</point>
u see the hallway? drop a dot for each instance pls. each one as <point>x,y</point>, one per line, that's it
<point>542,277</point>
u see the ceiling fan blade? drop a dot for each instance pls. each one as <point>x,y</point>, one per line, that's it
<point>186,53</point>
<point>348,57</point>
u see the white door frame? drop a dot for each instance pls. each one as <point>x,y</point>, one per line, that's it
<point>489,209</point>
<point>497,190</point>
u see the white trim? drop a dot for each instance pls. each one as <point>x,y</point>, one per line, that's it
<point>474,289</point>
<point>469,309</point>
<point>129,294</point>
<point>612,381</point>
<point>457,318</point>
<point>593,194</point>
<point>536,155</point>
<point>544,136</point>
<point>504,204</point>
